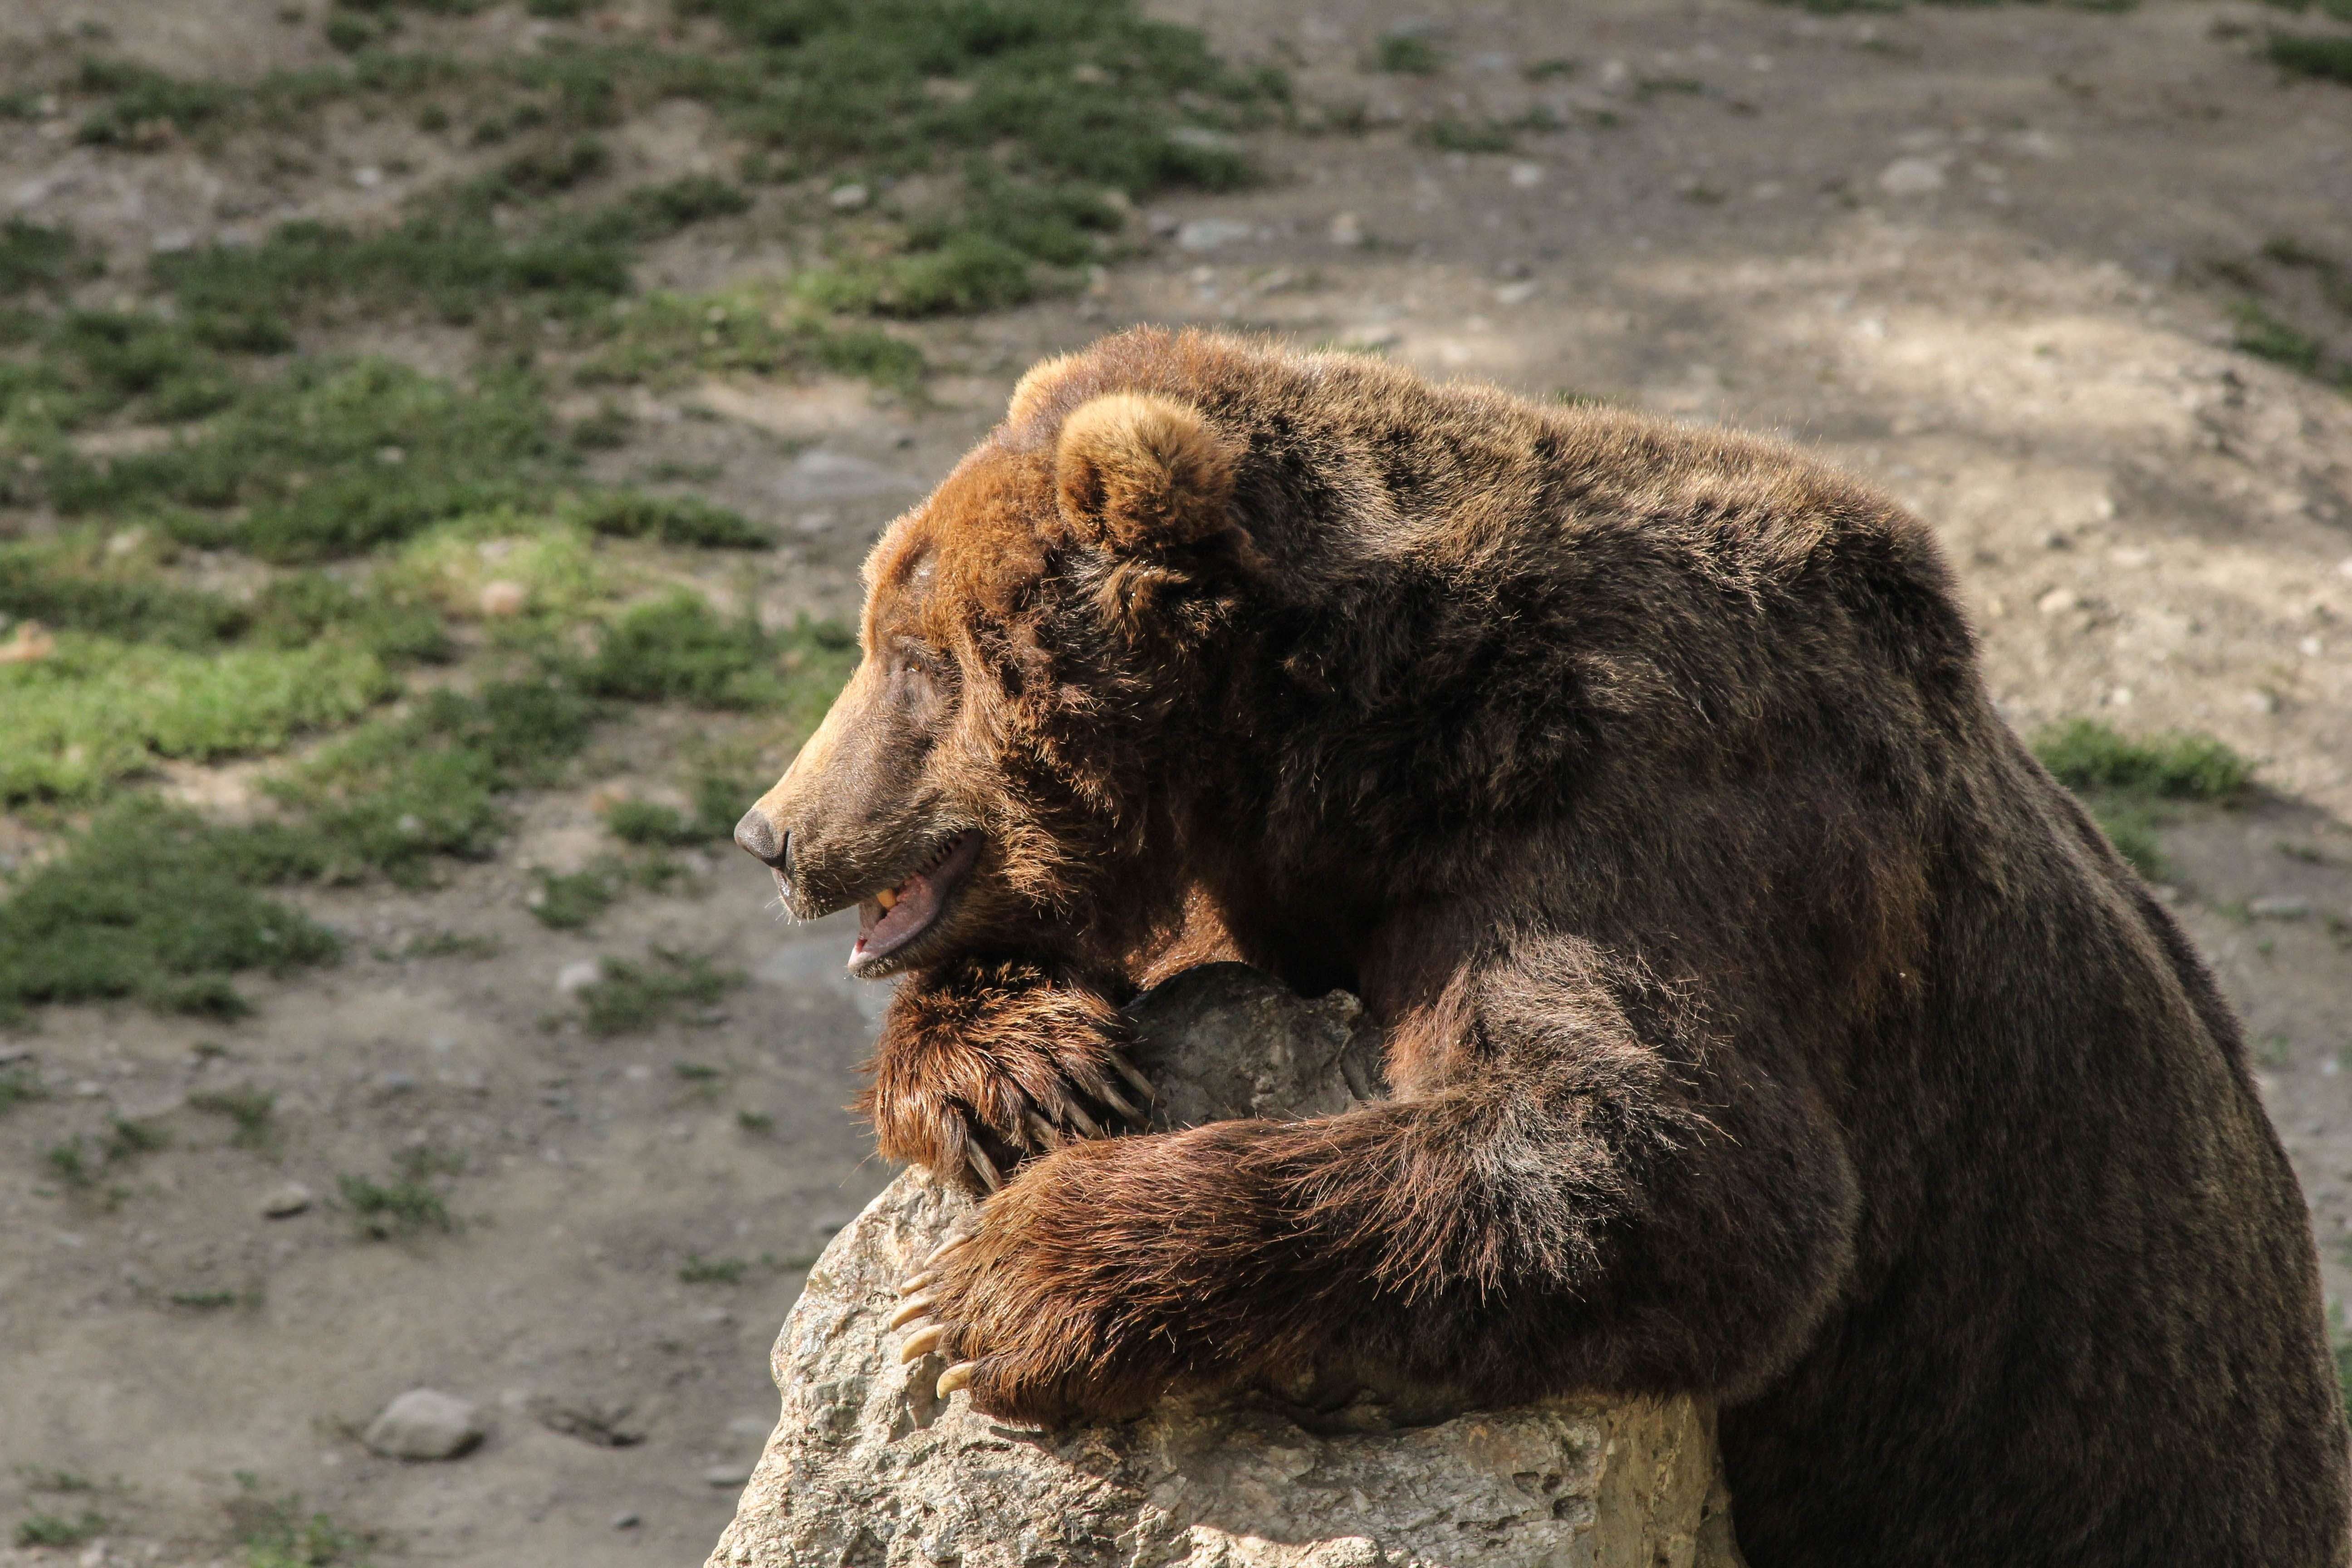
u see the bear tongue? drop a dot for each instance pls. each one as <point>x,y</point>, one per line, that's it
<point>913,903</point>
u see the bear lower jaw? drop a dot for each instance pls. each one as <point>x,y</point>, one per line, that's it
<point>889,922</point>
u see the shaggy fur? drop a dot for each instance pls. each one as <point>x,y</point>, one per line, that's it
<point>1763,1023</point>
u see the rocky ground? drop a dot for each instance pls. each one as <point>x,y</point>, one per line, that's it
<point>1998,259</point>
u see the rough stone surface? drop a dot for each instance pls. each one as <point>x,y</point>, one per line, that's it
<point>426,1424</point>
<point>868,1467</point>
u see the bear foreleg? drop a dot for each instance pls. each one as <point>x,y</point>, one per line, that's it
<point>1569,1206</point>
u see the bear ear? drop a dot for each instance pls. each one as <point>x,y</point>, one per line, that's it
<point>1140,474</point>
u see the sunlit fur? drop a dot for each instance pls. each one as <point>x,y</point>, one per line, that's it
<point>1762,1022</point>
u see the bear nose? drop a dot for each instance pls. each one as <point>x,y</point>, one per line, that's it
<point>757,838</point>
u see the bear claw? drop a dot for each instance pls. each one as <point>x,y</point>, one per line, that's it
<point>1078,1118</point>
<point>921,1342</point>
<point>914,1282</point>
<point>985,1168</point>
<point>912,1308</point>
<point>1128,1070</point>
<point>955,1377</point>
<point>1048,1136</point>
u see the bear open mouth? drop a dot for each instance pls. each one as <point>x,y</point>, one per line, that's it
<point>897,916</point>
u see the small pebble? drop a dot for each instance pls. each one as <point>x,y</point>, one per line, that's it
<point>728,1475</point>
<point>1911,177</point>
<point>626,1520</point>
<point>2278,908</point>
<point>1211,233</point>
<point>502,598</point>
<point>284,1203</point>
<point>848,198</point>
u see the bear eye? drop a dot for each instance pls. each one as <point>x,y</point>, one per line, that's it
<point>920,658</point>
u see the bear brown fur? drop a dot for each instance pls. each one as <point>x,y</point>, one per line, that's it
<point>1762,1022</point>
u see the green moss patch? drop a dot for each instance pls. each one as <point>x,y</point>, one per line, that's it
<point>664,339</point>
<point>2084,754</point>
<point>673,519</point>
<point>2130,785</point>
<point>154,904</point>
<point>2327,58</point>
<point>33,256</point>
<point>330,459</point>
<point>96,710</point>
<point>680,649</point>
<point>632,997</point>
<point>460,267</point>
<point>393,796</point>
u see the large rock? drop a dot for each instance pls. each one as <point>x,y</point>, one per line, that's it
<point>868,1469</point>
<point>426,1424</point>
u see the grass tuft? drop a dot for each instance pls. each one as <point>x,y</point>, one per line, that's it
<point>397,793</point>
<point>630,997</point>
<point>574,901</point>
<point>2329,58</point>
<point>55,1529</point>
<point>408,1204</point>
<point>33,256</point>
<point>127,1140</point>
<point>205,1300</point>
<point>278,1534</point>
<point>680,649</point>
<point>151,902</point>
<point>1407,54</point>
<point>699,1270</point>
<point>251,1112</point>
<point>665,338</point>
<point>2084,754</point>
<point>96,710</point>
<point>655,212</point>
<point>69,1163</point>
<point>145,110</point>
<point>20,1085</point>
<point>329,460</point>
<point>720,795</point>
<point>673,519</point>
<point>2126,784</point>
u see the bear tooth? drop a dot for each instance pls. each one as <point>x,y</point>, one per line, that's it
<point>886,898</point>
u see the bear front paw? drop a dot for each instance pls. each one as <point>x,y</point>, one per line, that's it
<point>1025,1346</point>
<point>986,1065</point>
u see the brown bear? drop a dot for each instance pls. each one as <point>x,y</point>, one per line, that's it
<point>1762,1022</point>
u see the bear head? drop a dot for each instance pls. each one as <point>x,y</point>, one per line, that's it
<point>1031,633</point>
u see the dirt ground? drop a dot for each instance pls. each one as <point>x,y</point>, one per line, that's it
<point>1969,253</point>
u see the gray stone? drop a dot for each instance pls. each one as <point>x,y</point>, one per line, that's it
<point>866,1465</point>
<point>2279,908</point>
<point>426,1424</point>
<point>1213,233</point>
<point>1911,176</point>
<point>284,1202</point>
